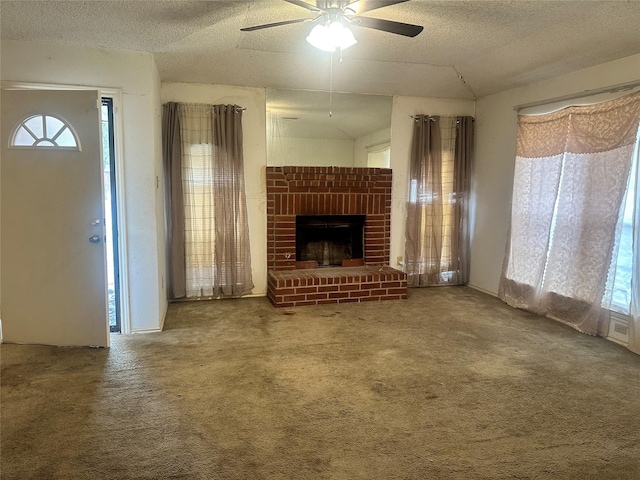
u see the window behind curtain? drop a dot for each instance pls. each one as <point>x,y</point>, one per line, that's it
<point>567,237</point>
<point>216,231</point>
<point>448,139</point>
<point>436,240</point>
<point>198,183</point>
<point>621,297</point>
<point>442,193</point>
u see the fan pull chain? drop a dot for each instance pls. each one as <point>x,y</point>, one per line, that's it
<point>331,85</point>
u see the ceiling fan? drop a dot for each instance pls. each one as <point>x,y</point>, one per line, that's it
<point>338,14</point>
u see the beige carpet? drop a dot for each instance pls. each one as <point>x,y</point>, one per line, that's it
<point>449,384</point>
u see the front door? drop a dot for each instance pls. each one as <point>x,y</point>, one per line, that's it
<point>52,254</point>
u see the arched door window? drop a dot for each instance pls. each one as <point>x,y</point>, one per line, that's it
<point>43,130</point>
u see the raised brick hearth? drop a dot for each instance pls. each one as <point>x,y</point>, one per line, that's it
<point>292,288</point>
<point>293,191</point>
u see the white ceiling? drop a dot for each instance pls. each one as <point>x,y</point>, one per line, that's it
<point>492,45</point>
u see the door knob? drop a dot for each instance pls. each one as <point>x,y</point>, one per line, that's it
<point>94,238</point>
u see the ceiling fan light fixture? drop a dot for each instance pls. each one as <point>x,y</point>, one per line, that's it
<point>331,37</point>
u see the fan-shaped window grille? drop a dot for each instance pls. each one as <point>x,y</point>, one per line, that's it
<point>45,131</point>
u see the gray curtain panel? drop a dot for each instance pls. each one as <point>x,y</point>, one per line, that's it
<point>217,253</point>
<point>462,164</point>
<point>232,251</point>
<point>437,227</point>
<point>424,227</point>
<point>174,208</point>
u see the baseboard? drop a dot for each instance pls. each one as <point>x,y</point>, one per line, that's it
<point>493,294</point>
<point>255,295</point>
<point>145,330</point>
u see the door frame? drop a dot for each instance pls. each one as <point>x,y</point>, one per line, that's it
<point>121,223</point>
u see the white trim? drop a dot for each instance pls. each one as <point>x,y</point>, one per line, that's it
<point>493,294</point>
<point>123,253</point>
<point>164,315</point>
<point>145,330</point>
<point>620,87</point>
<point>116,95</point>
<point>254,295</point>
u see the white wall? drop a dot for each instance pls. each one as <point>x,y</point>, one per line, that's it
<point>495,149</point>
<point>135,74</point>
<point>401,134</point>
<point>254,125</point>
<point>316,152</point>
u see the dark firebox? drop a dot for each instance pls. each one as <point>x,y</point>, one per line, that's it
<point>329,239</point>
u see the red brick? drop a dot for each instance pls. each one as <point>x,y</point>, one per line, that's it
<point>317,296</point>
<point>360,293</point>
<point>293,298</point>
<point>339,295</point>
<point>311,289</point>
<point>285,291</point>
<point>327,288</point>
<point>397,291</point>
<point>370,299</point>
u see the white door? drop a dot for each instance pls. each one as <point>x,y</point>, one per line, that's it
<point>52,254</point>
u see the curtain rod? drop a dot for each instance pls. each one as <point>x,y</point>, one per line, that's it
<point>241,109</point>
<point>587,93</point>
<point>442,116</point>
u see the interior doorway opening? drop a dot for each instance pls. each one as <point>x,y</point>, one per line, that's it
<point>111,215</point>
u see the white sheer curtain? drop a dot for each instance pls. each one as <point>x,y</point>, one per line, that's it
<point>571,175</point>
<point>217,255</point>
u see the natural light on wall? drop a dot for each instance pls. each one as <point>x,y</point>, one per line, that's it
<point>379,157</point>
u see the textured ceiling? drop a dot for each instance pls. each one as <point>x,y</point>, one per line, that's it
<point>492,45</point>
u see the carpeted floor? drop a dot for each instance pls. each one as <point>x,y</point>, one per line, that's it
<point>449,384</point>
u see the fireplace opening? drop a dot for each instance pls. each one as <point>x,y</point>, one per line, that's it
<point>329,239</point>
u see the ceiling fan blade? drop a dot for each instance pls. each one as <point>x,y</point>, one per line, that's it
<point>276,24</point>
<point>398,28</point>
<point>302,4</point>
<point>362,6</point>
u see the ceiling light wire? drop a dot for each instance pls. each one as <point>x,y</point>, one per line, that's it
<point>331,83</point>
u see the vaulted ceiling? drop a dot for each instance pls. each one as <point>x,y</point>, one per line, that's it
<point>468,49</point>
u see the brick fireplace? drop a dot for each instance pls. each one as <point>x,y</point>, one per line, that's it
<point>293,192</point>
